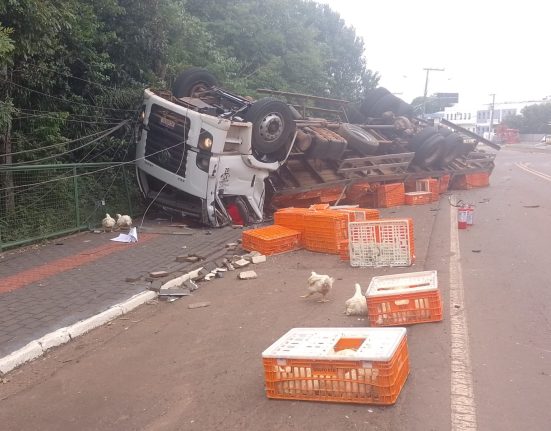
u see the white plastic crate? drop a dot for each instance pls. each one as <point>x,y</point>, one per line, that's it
<point>344,365</point>
<point>319,343</point>
<point>397,284</point>
<point>404,299</point>
<point>376,243</point>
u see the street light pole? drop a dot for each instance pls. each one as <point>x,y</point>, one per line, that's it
<point>428,69</point>
<point>492,116</point>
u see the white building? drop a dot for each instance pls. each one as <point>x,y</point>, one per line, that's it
<point>462,115</point>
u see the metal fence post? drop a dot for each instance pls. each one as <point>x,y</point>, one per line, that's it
<point>127,190</point>
<point>77,207</point>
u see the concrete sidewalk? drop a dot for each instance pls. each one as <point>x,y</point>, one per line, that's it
<point>47,287</point>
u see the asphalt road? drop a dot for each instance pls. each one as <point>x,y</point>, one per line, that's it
<point>486,366</point>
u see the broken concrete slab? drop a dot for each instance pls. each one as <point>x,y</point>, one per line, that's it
<point>241,263</point>
<point>258,259</point>
<point>198,305</point>
<point>247,275</point>
<point>178,281</point>
<point>158,274</point>
<point>209,276</point>
<point>174,291</point>
<point>156,285</point>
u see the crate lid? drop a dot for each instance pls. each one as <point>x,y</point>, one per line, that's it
<point>397,284</point>
<point>317,343</point>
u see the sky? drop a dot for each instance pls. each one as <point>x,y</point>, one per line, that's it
<point>485,46</point>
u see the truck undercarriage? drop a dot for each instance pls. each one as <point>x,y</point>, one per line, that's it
<point>221,158</point>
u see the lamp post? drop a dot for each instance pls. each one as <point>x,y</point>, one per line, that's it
<point>491,116</point>
<point>428,70</point>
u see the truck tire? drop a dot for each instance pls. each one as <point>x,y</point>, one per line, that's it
<point>454,148</point>
<point>192,81</point>
<point>404,110</point>
<point>273,125</point>
<point>386,103</point>
<point>421,137</point>
<point>371,98</point>
<point>430,151</point>
<point>358,138</point>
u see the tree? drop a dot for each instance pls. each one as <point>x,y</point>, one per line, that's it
<point>533,119</point>
<point>433,104</point>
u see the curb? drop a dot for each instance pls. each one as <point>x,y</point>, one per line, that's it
<point>61,336</point>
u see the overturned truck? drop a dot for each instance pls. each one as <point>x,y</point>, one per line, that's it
<point>205,152</point>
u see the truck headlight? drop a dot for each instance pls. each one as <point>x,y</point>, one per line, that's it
<point>205,141</point>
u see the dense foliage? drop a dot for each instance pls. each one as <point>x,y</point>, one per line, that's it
<point>533,119</point>
<point>70,68</point>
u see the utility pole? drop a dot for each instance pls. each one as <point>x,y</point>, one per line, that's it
<point>492,116</point>
<point>428,69</point>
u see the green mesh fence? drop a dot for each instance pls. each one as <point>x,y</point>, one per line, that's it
<point>50,200</point>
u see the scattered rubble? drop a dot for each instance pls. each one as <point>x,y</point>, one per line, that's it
<point>258,259</point>
<point>247,275</point>
<point>241,263</point>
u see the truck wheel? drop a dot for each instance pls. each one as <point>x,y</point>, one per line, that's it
<point>372,97</point>
<point>193,81</point>
<point>386,103</point>
<point>358,138</point>
<point>431,150</point>
<point>421,137</point>
<point>454,148</point>
<point>273,125</point>
<point>404,110</point>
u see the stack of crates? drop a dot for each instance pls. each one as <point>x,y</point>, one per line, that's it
<point>444,183</point>
<point>292,218</point>
<point>271,240</point>
<point>324,230</point>
<point>359,214</point>
<point>344,253</point>
<point>362,194</point>
<point>343,365</point>
<point>418,198</point>
<point>469,181</point>
<point>386,242</point>
<point>404,299</point>
<point>390,195</point>
<point>430,185</point>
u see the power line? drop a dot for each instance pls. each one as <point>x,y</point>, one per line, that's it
<point>65,100</point>
<point>68,75</point>
<point>62,143</point>
<point>33,116</point>
<point>99,138</point>
<point>93,172</point>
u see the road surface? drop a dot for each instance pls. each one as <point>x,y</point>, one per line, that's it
<point>487,366</point>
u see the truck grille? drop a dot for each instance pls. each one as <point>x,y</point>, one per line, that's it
<point>166,140</point>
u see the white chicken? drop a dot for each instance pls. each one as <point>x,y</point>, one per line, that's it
<point>123,221</point>
<point>357,305</point>
<point>321,284</point>
<point>108,223</point>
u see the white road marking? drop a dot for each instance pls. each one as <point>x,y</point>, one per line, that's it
<point>463,407</point>
<point>532,171</point>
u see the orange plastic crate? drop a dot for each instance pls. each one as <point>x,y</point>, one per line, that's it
<point>295,372</point>
<point>323,231</point>
<point>390,195</point>
<point>292,218</point>
<point>271,240</point>
<point>470,181</point>
<point>444,183</point>
<point>404,299</point>
<point>418,198</point>
<point>343,250</point>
